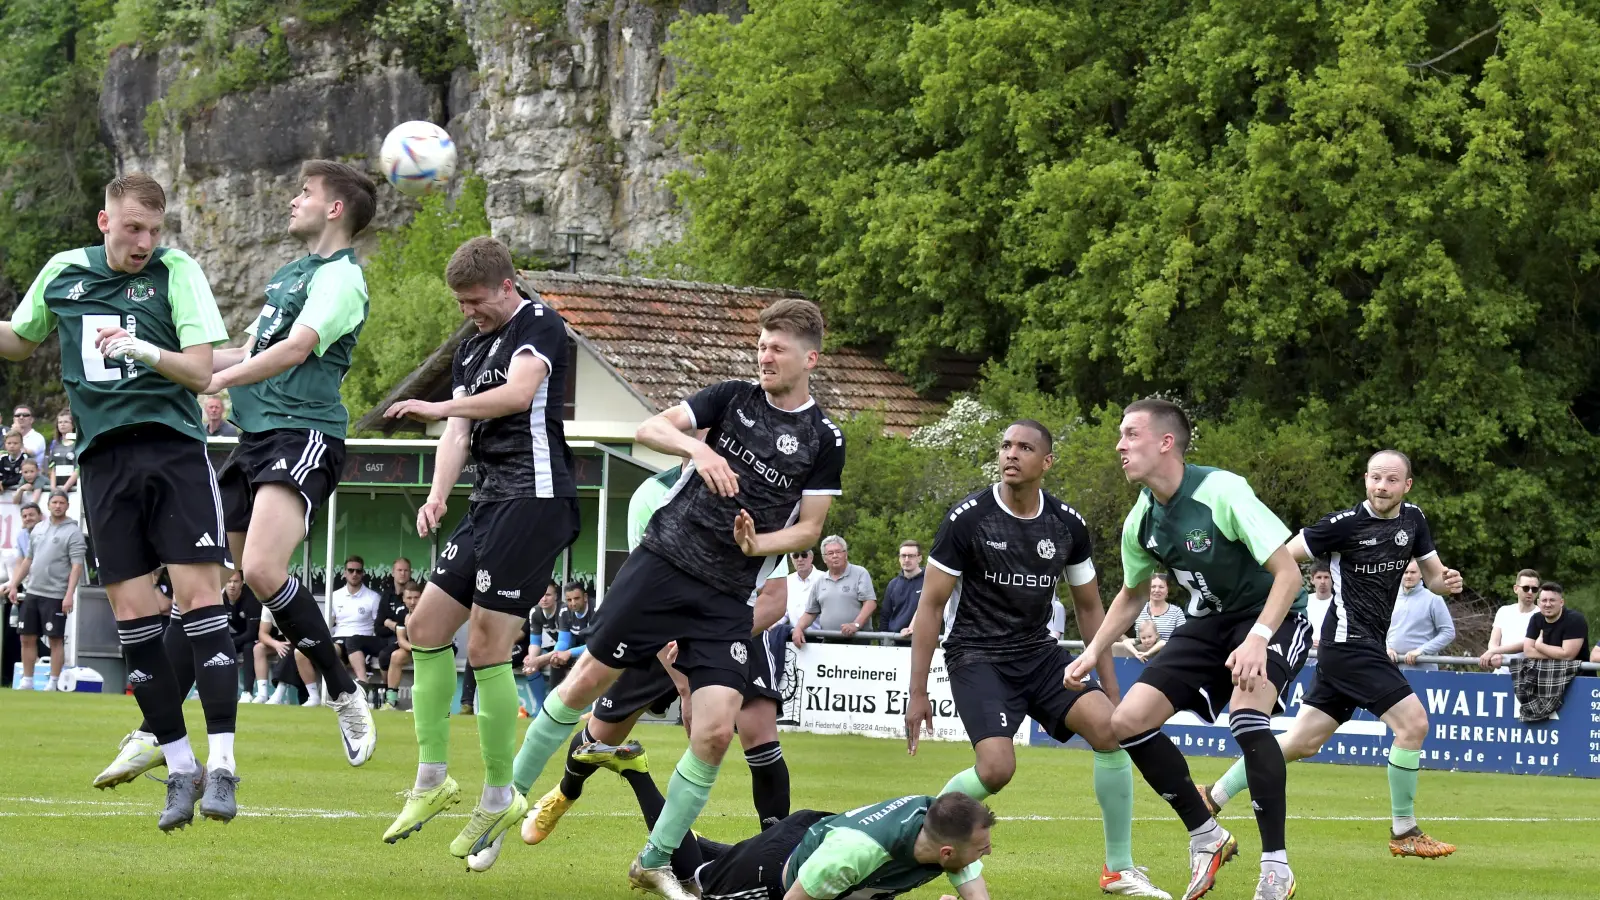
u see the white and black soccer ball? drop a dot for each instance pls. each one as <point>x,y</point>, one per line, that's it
<point>418,158</point>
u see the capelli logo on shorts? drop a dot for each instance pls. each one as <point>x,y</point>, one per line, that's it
<point>510,595</point>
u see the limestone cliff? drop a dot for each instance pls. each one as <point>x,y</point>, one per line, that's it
<point>557,122</point>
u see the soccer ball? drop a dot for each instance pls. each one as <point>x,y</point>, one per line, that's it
<point>418,157</point>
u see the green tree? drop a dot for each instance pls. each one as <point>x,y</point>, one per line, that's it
<point>411,310</point>
<point>1317,218</point>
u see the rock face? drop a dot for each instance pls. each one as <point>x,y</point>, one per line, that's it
<point>558,124</point>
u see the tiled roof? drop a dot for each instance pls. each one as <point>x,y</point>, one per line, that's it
<point>669,339</point>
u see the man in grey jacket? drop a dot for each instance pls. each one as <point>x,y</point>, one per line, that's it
<point>1421,623</point>
<point>55,564</point>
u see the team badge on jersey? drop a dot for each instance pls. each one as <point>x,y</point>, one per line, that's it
<point>140,290</point>
<point>787,444</point>
<point>1401,538</point>
<point>483,580</point>
<point>1198,541</point>
<point>1047,549</point>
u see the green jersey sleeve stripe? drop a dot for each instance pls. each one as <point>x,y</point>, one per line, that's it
<point>1137,563</point>
<point>336,302</point>
<point>1241,516</point>
<point>194,309</point>
<point>32,320</point>
<point>843,859</point>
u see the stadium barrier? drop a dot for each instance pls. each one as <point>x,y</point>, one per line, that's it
<point>849,686</point>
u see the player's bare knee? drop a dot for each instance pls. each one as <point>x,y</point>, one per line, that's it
<point>710,740</point>
<point>996,772</point>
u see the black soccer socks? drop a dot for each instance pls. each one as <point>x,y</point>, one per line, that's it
<point>1265,772</point>
<point>154,686</point>
<point>1162,764</point>
<point>301,621</point>
<point>769,782</point>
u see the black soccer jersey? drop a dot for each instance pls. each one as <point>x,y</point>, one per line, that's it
<point>390,608</point>
<point>1010,569</point>
<point>580,626</point>
<point>1368,556</point>
<point>779,456</point>
<point>524,454</point>
<point>545,626</point>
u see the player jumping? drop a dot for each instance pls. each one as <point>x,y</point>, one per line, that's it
<point>759,486</point>
<point>604,743</point>
<point>285,390</point>
<point>1369,547</point>
<point>1244,640</point>
<point>138,323</point>
<point>522,515</point>
<point>1006,548</point>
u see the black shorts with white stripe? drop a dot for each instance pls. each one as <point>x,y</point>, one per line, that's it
<point>309,462</point>
<point>151,499</point>
<point>1192,671</point>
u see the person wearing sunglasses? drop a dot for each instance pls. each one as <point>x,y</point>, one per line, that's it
<point>1511,623</point>
<point>355,607</point>
<point>32,441</point>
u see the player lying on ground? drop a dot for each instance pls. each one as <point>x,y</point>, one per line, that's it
<point>1005,549</point>
<point>1369,547</point>
<point>1244,640</point>
<point>881,850</point>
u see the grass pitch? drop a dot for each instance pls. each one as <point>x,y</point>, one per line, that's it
<point>310,826</point>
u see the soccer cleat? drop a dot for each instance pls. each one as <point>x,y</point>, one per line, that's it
<point>355,727</point>
<point>50,684</point>
<point>660,882</point>
<point>420,807</point>
<point>1133,882</point>
<point>183,792</point>
<point>313,699</point>
<point>137,754</point>
<point>1273,887</point>
<point>545,815</point>
<point>219,803</point>
<point>1205,861</point>
<point>483,859</point>
<point>25,684</point>
<point>629,757</point>
<point>466,709</point>
<point>484,826</point>
<point>1416,843</point>
<point>1208,800</point>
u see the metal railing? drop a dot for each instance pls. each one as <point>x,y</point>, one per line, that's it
<point>1077,647</point>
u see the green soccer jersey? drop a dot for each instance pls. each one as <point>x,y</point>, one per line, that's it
<point>1214,536</point>
<point>168,303</point>
<point>868,853</point>
<point>328,295</point>
<point>646,499</point>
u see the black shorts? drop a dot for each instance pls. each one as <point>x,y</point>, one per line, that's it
<point>387,653</point>
<point>151,499</point>
<point>758,863</point>
<point>365,644</point>
<point>769,658</point>
<point>501,555</point>
<point>42,617</point>
<point>653,602</point>
<point>1355,676</point>
<point>640,687</point>
<point>305,460</point>
<point>1192,669</point>
<point>993,697</point>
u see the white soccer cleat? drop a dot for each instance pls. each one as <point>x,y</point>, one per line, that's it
<point>1273,887</point>
<point>1206,860</point>
<point>26,684</point>
<point>356,728</point>
<point>1133,882</point>
<point>50,685</point>
<point>137,754</point>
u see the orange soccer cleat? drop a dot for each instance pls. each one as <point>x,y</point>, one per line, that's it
<point>1415,843</point>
